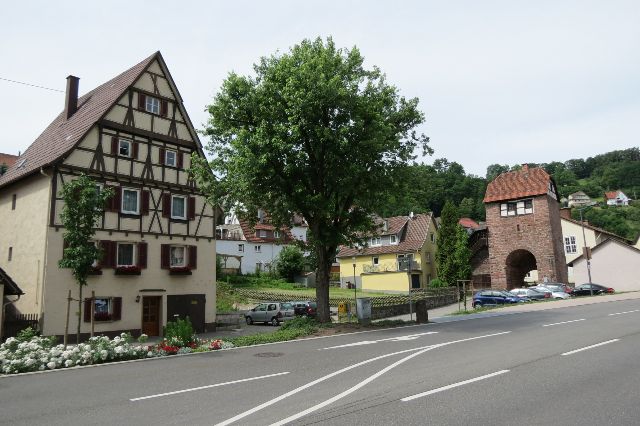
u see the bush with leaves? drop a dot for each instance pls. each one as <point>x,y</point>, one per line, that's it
<point>290,262</point>
<point>179,333</point>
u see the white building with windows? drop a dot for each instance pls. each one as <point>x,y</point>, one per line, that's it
<point>250,249</point>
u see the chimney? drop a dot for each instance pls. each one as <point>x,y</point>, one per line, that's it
<point>525,167</point>
<point>71,97</point>
<point>565,213</point>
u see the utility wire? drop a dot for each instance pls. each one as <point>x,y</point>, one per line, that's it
<point>32,85</point>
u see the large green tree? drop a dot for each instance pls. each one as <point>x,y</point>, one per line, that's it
<point>83,205</point>
<point>316,133</point>
<point>452,253</point>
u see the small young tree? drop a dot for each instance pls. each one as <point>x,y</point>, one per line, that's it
<point>445,250</point>
<point>290,262</point>
<point>462,254</point>
<point>83,205</point>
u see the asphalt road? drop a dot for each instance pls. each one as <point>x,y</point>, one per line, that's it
<point>568,366</point>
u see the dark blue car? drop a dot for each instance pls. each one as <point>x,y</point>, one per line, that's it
<point>493,298</point>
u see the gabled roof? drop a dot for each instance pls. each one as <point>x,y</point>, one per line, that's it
<point>578,194</point>
<point>8,159</point>
<point>596,229</point>
<point>62,135</point>
<point>250,233</point>
<point>468,223</point>
<point>412,239</point>
<point>604,244</point>
<point>10,287</point>
<point>527,182</point>
<point>612,195</point>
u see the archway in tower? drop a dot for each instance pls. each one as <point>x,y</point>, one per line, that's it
<point>519,263</point>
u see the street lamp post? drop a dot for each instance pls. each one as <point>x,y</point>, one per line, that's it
<point>585,251</point>
<point>355,285</point>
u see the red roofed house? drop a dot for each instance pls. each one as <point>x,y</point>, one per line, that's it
<point>616,198</point>
<point>398,257</point>
<point>524,229</point>
<point>468,223</point>
<point>131,134</point>
<point>250,249</point>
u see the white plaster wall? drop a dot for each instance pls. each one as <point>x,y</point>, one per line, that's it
<point>612,265</point>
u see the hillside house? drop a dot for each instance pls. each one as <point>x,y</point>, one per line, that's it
<point>616,198</point>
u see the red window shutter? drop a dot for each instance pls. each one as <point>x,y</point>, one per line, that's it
<point>180,160</point>
<point>116,306</point>
<point>193,257</point>
<point>135,149</point>
<point>114,145</point>
<point>87,309</point>
<point>166,205</point>
<point>164,256</point>
<point>142,101</point>
<point>142,255</point>
<point>161,156</point>
<point>108,253</point>
<point>191,208</point>
<point>145,203</point>
<point>164,107</point>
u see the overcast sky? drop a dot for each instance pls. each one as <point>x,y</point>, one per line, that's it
<point>499,81</point>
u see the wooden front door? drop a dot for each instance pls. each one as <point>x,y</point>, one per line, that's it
<point>151,315</point>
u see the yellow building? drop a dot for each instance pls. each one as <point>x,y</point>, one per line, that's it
<point>131,134</point>
<point>399,257</point>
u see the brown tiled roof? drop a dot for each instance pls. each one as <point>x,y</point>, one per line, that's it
<point>250,232</point>
<point>467,222</point>
<point>8,159</point>
<point>10,287</point>
<point>611,195</point>
<point>62,135</point>
<point>411,241</point>
<point>527,182</point>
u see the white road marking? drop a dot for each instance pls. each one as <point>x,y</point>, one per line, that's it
<point>455,385</point>
<point>626,312</point>
<point>564,322</point>
<point>353,389</point>
<point>208,387</point>
<point>590,347</point>
<point>390,339</point>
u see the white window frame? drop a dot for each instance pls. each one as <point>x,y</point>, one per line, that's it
<point>427,257</point>
<point>137,211</point>
<point>175,158</point>
<point>262,233</point>
<point>184,257</point>
<point>570,244</point>
<point>129,148</point>
<point>152,105</point>
<point>241,248</point>
<point>257,249</point>
<point>517,208</point>
<point>393,239</point>
<point>173,216</point>
<point>276,234</point>
<point>133,254</point>
<point>375,260</point>
<point>109,301</point>
<point>375,241</point>
<point>432,237</point>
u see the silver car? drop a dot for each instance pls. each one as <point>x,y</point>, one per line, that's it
<point>270,313</point>
<point>556,291</point>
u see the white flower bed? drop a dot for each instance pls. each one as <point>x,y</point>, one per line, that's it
<point>34,353</point>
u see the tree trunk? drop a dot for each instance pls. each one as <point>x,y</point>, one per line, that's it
<point>79,315</point>
<point>322,284</point>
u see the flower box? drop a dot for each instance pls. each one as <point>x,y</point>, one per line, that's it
<point>128,270</point>
<point>183,270</point>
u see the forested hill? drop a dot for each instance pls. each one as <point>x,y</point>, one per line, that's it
<point>429,186</point>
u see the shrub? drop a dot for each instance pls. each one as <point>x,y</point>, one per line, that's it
<point>179,333</point>
<point>437,283</point>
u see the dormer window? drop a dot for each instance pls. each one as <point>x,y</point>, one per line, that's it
<point>170,158</point>
<point>513,208</point>
<point>375,241</point>
<point>276,234</point>
<point>262,233</point>
<point>124,148</point>
<point>152,105</point>
<point>393,239</point>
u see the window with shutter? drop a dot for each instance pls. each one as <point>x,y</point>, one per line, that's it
<point>164,108</point>
<point>166,205</point>
<point>114,145</point>
<point>135,150</point>
<point>191,209</point>
<point>142,101</point>
<point>117,308</point>
<point>180,160</point>
<point>145,203</point>
<point>87,310</point>
<point>161,156</point>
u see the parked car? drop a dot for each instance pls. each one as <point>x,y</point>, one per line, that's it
<point>493,298</point>
<point>564,287</point>
<point>270,313</point>
<point>585,289</point>
<point>556,291</point>
<point>305,308</point>
<point>531,293</point>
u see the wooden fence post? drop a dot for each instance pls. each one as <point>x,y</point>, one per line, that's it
<point>93,310</point>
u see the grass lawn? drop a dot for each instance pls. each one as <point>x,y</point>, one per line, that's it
<point>333,292</point>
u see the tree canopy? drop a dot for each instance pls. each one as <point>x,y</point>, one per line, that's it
<point>314,133</point>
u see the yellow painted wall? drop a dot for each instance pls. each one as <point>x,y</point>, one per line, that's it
<point>24,229</point>
<point>386,281</point>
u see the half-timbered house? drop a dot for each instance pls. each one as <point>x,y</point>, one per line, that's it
<point>132,134</point>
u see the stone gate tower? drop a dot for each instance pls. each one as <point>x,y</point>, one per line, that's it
<point>523,221</point>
